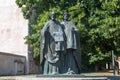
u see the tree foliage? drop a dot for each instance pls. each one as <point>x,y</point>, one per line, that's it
<point>97,20</point>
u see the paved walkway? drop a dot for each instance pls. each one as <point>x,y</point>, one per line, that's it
<point>64,78</point>
<point>83,76</point>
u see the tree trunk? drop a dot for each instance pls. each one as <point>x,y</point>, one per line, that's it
<point>96,68</point>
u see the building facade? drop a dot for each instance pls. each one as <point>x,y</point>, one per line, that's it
<point>14,56</point>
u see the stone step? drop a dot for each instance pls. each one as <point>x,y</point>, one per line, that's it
<point>49,78</point>
<point>63,77</point>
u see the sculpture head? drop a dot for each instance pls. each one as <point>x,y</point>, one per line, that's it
<point>53,16</point>
<point>66,16</point>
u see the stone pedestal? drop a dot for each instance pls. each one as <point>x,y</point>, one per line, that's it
<point>69,77</point>
<point>62,77</point>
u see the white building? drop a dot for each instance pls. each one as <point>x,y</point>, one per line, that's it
<point>13,51</point>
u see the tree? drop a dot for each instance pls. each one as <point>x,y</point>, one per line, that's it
<point>42,9</point>
<point>98,23</point>
<point>104,30</point>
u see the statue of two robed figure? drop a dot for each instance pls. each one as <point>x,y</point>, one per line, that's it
<point>60,47</point>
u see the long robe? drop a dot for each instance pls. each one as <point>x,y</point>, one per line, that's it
<point>52,46</point>
<point>73,56</point>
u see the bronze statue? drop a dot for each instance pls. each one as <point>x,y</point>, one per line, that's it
<point>52,46</point>
<point>60,48</point>
<point>72,54</point>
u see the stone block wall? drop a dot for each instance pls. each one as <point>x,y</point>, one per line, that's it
<point>11,64</point>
